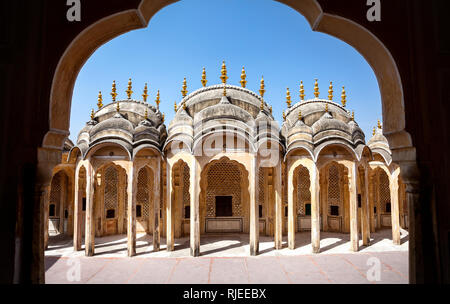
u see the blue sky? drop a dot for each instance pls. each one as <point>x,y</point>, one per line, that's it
<point>265,36</point>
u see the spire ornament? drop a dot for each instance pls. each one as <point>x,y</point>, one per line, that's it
<point>316,89</point>
<point>343,97</point>
<point>262,87</point>
<point>261,106</point>
<point>353,115</point>
<point>330,92</point>
<point>163,117</point>
<point>158,101</point>
<point>379,125</point>
<point>113,91</point>
<point>117,107</point>
<point>129,91</point>
<point>300,115</point>
<point>204,81</point>
<point>175,107</point>
<point>224,76</point>
<point>302,91</point>
<point>145,94</point>
<point>92,114</point>
<point>146,114</point>
<point>374,131</point>
<point>100,99</point>
<point>284,116</point>
<point>184,88</point>
<point>326,107</point>
<point>184,106</point>
<point>243,78</point>
<point>288,98</point>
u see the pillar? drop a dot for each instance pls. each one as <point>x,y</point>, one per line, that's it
<point>194,207</point>
<point>254,214</point>
<point>77,213</point>
<point>169,210</point>
<point>365,210</point>
<point>353,209</point>
<point>278,207</point>
<point>291,207</point>
<point>315,209</point>
<point>62,201</point>
<point>46,198</point>
<point>156,205</point>
<point>89,238</point>
<point>395,213</point>
<point>131,210</point>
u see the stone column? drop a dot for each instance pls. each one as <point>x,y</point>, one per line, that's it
<point>291,207</point>
<point>278,207</point>
<point>395,214</point>
<point>77,213</point>
<point>254,214</point>
<point>315,209</point>
<point>194,207</point>
<point>46,198</point>
<point>354,241</point>
<point>62,201</point>
<point>131,210</point>
<point>170,231</point>
<point>89,235</point>
<point>156,205</point>
<point>365,210</point>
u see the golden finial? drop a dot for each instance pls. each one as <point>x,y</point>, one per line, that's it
<point>326,107</point>
<point>288,98</point>
<point>157,99</point>
<point>145,95</point>
<point>100,99</point>
<point>113,91</point>
<point>344,97</point>
<point>284,116</point>
<point>129,91</point>
<point>243,77</point>
<point>163,117</point>
<point>316,89</point>
<point>92,114</point>
<point>184,88</point>
<point>204,81</point>
<point>270,109</point>
<point>353,115</point>
<point>374,130</point>
<point>379,124</point>
<point>262,87</point>
<point>330,91</point>
<point>302,91</point>
<point>224,89</point>
<point>184,106</point>
<point>261,106</point>
<point>299,115</point>
<point>175,107</point>
<point>224,76</point>
<point>117,106</point>
<point>146,114</point>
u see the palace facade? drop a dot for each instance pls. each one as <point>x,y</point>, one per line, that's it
<point>224,165</point>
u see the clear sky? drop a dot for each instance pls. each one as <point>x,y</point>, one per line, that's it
<point>269,39</point>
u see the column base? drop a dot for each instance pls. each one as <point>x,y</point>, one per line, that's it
<point>316,250</point>
<point>195,252</point>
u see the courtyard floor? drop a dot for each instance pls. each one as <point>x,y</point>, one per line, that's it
<point>224,259</point>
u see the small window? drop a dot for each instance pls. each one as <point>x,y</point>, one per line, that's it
<point>286,211</point>
<point>138,210</point>
<point>260,209</point>
<point>110,213</point>
<point>307,209</point>
<point>51,211</point>
<point>160,213</point>
<point>66,214</point>
<point>187,212</point>
<point>224,206</point>
<point>335,210</point>
<point>359,200</point>
<point>375,210</point>
<point>388,207</point>
<point>84,204</point>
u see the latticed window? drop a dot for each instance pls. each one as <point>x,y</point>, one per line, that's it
<point>303,191</point>
<point>385,195</point>
<point>144,192</point>
<point>261,192</point>
<point>186,185</point>
<point>224,178</point>
<point>334,193</point>
<point>111,183</point>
